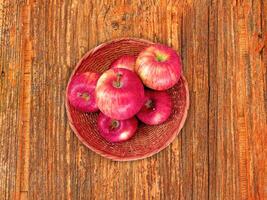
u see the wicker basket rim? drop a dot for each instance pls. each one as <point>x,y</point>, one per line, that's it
<point>117,158</point>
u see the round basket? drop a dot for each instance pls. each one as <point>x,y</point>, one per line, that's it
<point>148,140</point>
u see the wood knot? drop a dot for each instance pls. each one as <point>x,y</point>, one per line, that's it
<point>115,25</point>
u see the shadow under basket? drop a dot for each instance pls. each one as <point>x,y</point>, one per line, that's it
<point>148,140</point>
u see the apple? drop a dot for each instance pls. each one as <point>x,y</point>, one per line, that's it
<point>116,130</point>
<point>81,92</point>
<point>119,93</point>
<point>159,67</point>
<point>126,61</point>
<point>156,109</point>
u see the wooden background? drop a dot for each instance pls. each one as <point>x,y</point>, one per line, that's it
<point>221,151</point>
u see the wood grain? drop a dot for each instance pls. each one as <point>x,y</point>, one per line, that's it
<point>221,151</point>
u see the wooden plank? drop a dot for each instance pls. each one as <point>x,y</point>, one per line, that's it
<point>223,167</point>
<point>195,137</point>
<point>10,79</point>
<point>250,110</point>
<point>22,180</point>
<point>213,95</point>
<point>234,144</point>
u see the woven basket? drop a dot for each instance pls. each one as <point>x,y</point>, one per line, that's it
<point>148,140</point>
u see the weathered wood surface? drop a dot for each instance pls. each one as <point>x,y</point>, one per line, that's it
<point>221,151</point>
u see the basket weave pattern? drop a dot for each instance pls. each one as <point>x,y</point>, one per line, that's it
<point>148,139</point>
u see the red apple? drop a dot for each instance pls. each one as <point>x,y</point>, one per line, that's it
<point>126,61</point>
<point>81,92</point>
<point>119,93</point>
<point>159,67</point>
<point>116,130</point>
<point>156,109</point>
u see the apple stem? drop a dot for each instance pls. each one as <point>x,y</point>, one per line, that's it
<point>117,83</point>
<point>114,124</point>
<point>149,104</point>
<point>85,96</point>
<point>161,57</point>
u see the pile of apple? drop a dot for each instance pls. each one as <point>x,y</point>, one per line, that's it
<point>132,86</point>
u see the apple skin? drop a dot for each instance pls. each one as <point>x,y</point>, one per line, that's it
<point>116,130</point>
<point>159,67</point>
<point>126,62</point>
<point>81,92</point>
<point>156,109</point>
<point>119,93</point>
